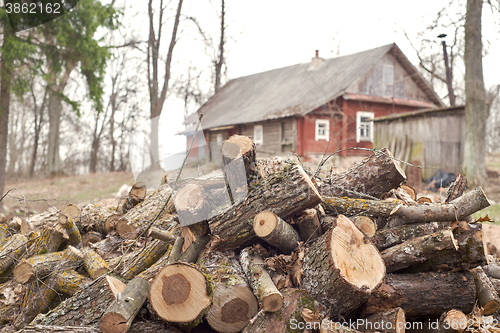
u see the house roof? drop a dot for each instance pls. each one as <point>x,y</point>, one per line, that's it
<point>423,113</point>
<point>295,90</point>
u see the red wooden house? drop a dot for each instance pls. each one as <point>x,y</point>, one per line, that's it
<point>316,107</point>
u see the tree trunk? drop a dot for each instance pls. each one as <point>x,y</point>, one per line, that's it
<point>390,321</point>
<point>418,250</point>
<point>233,303</point>
<point>275,231</point>
<point>486,294</point>
<point>54,107</point>
<point>86,307</point>
<point>374,176</point>
<point>220,59</point>
<point>270,299</point>
<point>423,294</point>
<point>476,114</point>
<point>180,293</point>
<point>341,268</point>
<point>284,193</point>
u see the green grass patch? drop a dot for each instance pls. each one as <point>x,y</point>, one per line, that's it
<point>493,212</point>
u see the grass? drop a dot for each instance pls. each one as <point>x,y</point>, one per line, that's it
<point>493,212</point>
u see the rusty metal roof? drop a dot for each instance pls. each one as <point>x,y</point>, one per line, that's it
<point>293,90</point>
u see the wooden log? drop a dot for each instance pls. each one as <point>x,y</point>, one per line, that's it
<point>119,315</point>
<point>98,218</point>
<point>192,204</point>
<point>456,210</point>
<point>152,327</point>
<point>167,258</point>
<point>57,329</point>
<point>309,225</point>
<point>128,226</point>
<point>161,234</point>
<point>289,318</point>
<point>44,219</point>
<point>492,270</point>
<point>143,259</point>
<point>284,193</point>
<point>233,303</point>
<point>457,188</point>
<point>4,234</point>
<point>86,307</point>
<point>49,240</point>
<point>94,264</point>
<point>13,248</point>
<point>11,297</point>
<point>38,297</point>
<point>69,281</point>
<point>390,321</point>
<point>239,166</point>
<point>71,210</point>
<point>410,191</point>
<point>43,265</point>
<point>176,250</point>
<point>275,231</point>
<point>486,294</point>
<point>365,225</point>
<point>91,237</point>
<point>354,207</point>
<point>374,176</point>
<point>423,294</point>
<point>136,195</point>
<point>180,293</point>
<point>270,299</point>
<point>418,250</point>
<point>453,321</point>
<point>386,238</point>
<point>194,250</point>
<point>423,200</point>
<point>341,268</point>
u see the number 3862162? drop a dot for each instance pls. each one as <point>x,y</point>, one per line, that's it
<point>33,8</point>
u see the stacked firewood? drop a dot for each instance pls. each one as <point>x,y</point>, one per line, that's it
<point>265,247</point>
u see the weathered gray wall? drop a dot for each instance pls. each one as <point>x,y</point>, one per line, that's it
<point>279,136</point>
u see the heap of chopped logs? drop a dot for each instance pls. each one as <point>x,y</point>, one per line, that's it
<point>266,246</point>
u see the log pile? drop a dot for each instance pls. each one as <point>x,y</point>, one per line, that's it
<point>268,246</point>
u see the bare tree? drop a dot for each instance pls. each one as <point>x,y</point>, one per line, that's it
<point>220,60</point>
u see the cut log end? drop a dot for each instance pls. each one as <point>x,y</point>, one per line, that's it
<point>366,225</point>
<point>116,286</point>
<point>264,223</point>
<point>359,262</point>
<point>179,293</point>
<point>396,163</point>
<point>114,323</point>
<point>236,145</point>
<point>272,303</point>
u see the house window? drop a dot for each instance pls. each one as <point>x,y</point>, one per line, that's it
<point>388,74</point>
<point>364,126</point>
<point>219,139</point>
<point>258,134</point>
<point>322,129</point>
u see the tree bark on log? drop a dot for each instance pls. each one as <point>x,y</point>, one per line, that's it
<point>457,188</point>
<point>43,265</point>
<point>194,250</point>
<point>161,234</point>
<point>13,248</point>
<point>492,270</point>
<point>135,196</point>
<point>180,293</point>
<point>341,268</point>
<point>423,294</point>
<point>374,176</point>
<point>453,321</point>
<point>390,321</point>
<point>144,258</point>
<point>49,240</point>
<point>86,307</point>
<point>309,225</point>
<point>233,303</point>
<point>485,292</point>
<point>275,231</point>
<point>239,166</point>
<point>69,282</point>
<point>270,299</point>
<point>354,207</point>
<point>119,316</point>
<point>294,301</point>
<point>94,264</point>
<point>284,193</point>
<point>456,210</point>
<point>75,238</point>
<point>387,238</point>
<point>10,300</point>
<point>192,205</point>
<point>98,218</point>
<point>57,329</point>
<point>418,250</point>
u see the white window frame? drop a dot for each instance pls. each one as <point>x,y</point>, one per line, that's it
<point>360,125</point>
<point>258,140</point>
<point>325,136</point>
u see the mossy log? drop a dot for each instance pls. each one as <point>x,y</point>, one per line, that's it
<point>284,193</point>
<point>418,250</point>
<point>4,234</point>
<point>275,231</point>
<point>146,211</point>
<point>49,240</point>
<point>43,265</point>
<point>288,318</point>
<point>136,195</point>
<point>69,281</point>
<point>233,304</point>
<point>94,264</point>
<point>75,237</point>
<point>453,321</point>
<point>423,294</point>
<point>12,249</point>
<point>181,293</point>
<point>341,268</point>
<point>86,307</point>
<point>269,297</point>
<point>365,224</point>
<point>374,176</point>
<point>386,238</point>
<point>153,251</point>
<point>354,207</point>
<point>309,225</point>
<point>486,294</point>
<point>390,321</point>
<point>57,329</point>
<point>120,314</point>
<point>98,218</point>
